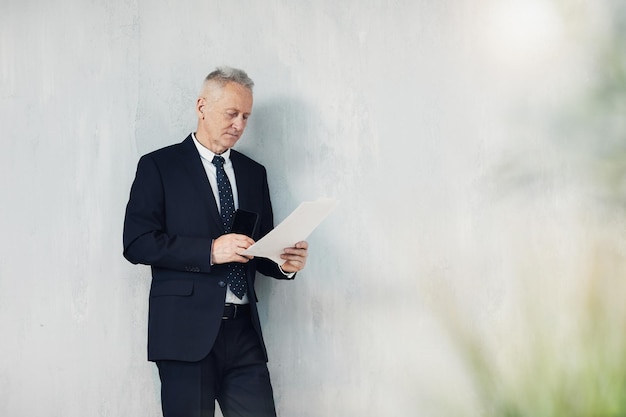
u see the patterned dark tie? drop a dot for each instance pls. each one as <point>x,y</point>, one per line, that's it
<point>236,271</point>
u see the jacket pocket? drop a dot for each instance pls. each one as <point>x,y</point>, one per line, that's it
<point>174,287</point>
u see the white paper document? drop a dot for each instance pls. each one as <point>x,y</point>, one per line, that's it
<point>296,227</point>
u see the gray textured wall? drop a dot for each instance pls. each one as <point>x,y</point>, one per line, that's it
<point>403,110</point>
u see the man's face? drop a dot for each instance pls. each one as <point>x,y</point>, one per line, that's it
<point>222,116</point>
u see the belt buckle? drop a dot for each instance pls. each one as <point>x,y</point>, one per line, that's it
<point>234,314</point>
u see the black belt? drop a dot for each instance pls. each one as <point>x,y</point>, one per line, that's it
<point>235,311</point>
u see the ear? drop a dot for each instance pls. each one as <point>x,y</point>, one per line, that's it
<point>200,107</point>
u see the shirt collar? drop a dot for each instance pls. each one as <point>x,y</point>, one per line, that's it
<point>207,154</point>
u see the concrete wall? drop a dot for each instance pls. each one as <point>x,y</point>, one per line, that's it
<point>403,110</point>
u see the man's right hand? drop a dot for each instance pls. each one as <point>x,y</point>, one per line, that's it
<point>227,248</point>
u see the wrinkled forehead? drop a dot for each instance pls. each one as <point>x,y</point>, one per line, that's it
<point>230,96</point>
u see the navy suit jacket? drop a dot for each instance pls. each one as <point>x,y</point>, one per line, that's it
<point>171,220</point>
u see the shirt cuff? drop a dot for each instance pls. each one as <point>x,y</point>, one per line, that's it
<point>287,274</point>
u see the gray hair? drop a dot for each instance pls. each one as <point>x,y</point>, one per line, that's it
<point>225,75</point>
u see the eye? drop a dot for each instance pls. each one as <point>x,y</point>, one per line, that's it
<point>231,114</point>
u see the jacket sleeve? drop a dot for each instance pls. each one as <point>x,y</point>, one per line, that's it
<point>266,266</point>
<point>146,238</point>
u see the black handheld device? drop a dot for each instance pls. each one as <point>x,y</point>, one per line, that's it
<point>244,222</point>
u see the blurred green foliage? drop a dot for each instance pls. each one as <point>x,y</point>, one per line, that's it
<point>577,371</point>
<point>598,122</point>
<point>552,372</point>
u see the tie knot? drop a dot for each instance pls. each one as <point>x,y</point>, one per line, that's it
<point>218,161</point>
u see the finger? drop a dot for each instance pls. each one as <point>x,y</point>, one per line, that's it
<point>238,252</point>
<point>295,251</point>
<point>290,267</point>
<point>302,244</point>
<point>294,260</point>
<point>240,238</point>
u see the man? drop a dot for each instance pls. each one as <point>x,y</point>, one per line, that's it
<point>203,326</point>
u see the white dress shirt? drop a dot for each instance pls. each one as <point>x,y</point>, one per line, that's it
<point>211,172</point>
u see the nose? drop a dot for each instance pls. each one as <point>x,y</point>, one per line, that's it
<point>239,122</point>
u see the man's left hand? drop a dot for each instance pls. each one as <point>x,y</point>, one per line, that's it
<point>295,257</point>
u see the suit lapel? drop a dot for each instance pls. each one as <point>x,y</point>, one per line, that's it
<point>193,164</point>
<point>243,187</point>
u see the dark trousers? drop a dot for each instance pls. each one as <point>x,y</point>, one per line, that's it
<point>234,373</point>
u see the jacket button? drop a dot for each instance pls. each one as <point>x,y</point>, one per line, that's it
<point>222,284</point>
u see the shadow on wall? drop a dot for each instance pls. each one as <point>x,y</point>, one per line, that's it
<point>280,136</point>
<point>277,137</point>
